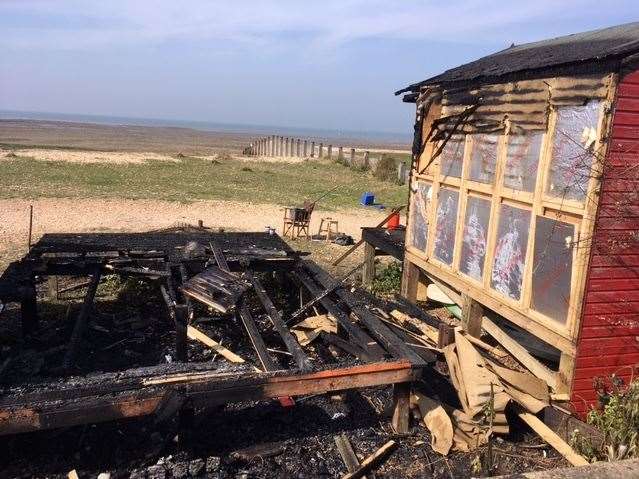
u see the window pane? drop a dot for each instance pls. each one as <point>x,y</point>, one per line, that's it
<point>552,271</point>
<point>419,214</point>
<point>475,234</point>
<point>483,158</point>
<point>522,161</point>
<point>510,252</point>
<point>453,156</point>
<point>572,151</point>
<point>446,225</point>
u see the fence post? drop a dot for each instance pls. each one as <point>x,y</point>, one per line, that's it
<point>401,173</point>
<point>352,156</point>
<point>320,153</point>
<point>305,148</point>
<point>366,160</point>
<point>312,149</point>
<point>297,148</point>
<point>340,154</point>
<point>330,152</point>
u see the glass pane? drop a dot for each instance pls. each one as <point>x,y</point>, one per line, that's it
<point>522,161</point>
<point>452,156</point>
<point>419,215</point>
<point>510,252</point>
<point>552,271</point>
<point>572,151</point>
<point>483,158</point>
<point>474,240</point>
<point>446,225</point>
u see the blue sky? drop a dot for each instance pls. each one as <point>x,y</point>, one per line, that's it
<point>318,64</point>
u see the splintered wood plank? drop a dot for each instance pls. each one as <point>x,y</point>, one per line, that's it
<point>373,461</point>
<point>348,454</point>
<point>355,333</point>
<point>198,335</point>
<point>553,439</point>
<point>380,331</point>
<point>520,353</point>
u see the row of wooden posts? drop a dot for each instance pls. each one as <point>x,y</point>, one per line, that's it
<point>294,147</point>
<point>281,146</point>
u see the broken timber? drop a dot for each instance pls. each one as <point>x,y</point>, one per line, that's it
<point>140,392</point>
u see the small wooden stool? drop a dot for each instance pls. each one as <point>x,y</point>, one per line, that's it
<point>330,227</point>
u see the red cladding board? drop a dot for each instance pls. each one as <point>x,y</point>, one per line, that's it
<point>609,328</point>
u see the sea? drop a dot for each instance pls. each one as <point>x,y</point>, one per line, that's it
<point>375,136</point>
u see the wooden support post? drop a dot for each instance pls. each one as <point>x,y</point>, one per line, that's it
<point>312,149</point>
<point>181,318</point>
<point>280,150</point>
<point>305,148</point>
<point>297,150</point>
<point>446,335</point>
<point>368,271</point>
<point>401,408</point>
<point>566,373</point>
<point>320,153</point>
<point>29,309</point>
<point>367,162</point>
<point>410,279</point>
<point>401,172</point>
<point>329,152</point>
<point>472,313</point>
<point>352,156</point>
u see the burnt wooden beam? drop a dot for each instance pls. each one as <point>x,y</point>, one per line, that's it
<point>181,318</point>
<point>381,332</point>
<point>318,297</point>
<point>145,395</point>
<point>28,308</point>
<point>300,357</point>
<point>268,364</point>
<point>81,321</point>
<point>344,345</point>
<point>355,333</point>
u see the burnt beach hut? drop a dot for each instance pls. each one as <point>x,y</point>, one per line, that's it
<point>524,203</point>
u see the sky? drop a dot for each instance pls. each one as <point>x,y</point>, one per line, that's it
<point>314,64</point>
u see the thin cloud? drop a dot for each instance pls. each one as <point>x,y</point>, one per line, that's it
<point>318,25</point>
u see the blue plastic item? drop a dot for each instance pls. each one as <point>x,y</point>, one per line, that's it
<point>367,199</point>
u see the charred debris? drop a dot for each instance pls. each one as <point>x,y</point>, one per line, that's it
<point>213,336</point>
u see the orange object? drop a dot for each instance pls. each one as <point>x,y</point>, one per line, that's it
<point>393,222</point>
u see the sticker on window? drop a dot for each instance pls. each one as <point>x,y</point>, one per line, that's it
<point>475,236</point>
<point>446,225</point>
<point>419,214</point>
<point>510,251</point>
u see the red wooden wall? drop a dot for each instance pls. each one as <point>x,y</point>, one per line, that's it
<point>609,337</point>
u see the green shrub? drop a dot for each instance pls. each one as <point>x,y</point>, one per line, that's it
<point>618,421</point>
<point>388,280</point>
<point>386,169</point>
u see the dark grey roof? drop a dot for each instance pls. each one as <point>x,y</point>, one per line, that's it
<point>612,42</point>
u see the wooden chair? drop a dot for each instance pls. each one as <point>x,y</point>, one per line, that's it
<point>330,227</point>
<point>297,221</point>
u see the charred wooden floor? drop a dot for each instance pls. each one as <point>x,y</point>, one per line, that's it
<point>79,383</point>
